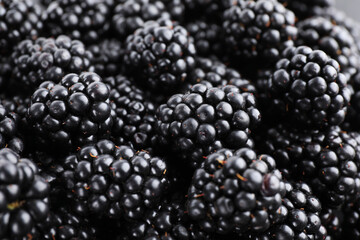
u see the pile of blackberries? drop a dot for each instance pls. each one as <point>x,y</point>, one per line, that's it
<point>179,120</point>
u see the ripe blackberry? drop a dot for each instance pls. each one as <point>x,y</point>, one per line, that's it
<point>23,195</point>
<point>333,220</point>
<point>107,57</point>
<point>325,159</point>
<point>130,15</point>
<point>207,37</point>
<point>72,112</point>
<point>351,224</point>
<point>321,33</point>
<point>206,119</point>
<point>353,114</point>
<point>159,57</point>
<point>307,8</point>
<point>308,88</point>
<point>258,30</point>
<point>17,104</point>
<point>235,192</point>
<point>19,20</point>
<point>107,180</point>
<point>48,59</point>
<point>87,21</point>
<point>9,130</point>
<point>135,114</point>
<point>209,10</point>
<point>5,73</point>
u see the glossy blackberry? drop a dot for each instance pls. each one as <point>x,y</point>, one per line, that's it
<point>23,195</point>
<point>87,20</point>
<point>328,160</point>
<point>353,117</point>
<point>307,8</point>
<point>207,37</point>
<point>17,104</point>
<point>160,57</point>
<point>48,59</point>
<point>206,119</point>
<point>71,113</point>
<point>107,180</point>
<point>5,73</point>
<point>134,118</point>
<point>19,20</point>
<point>130,15</point>
<point>258,30</point>
<point>336,41</point>
<point>235,192</point>
<point>333,220</point>
<point>107,57</point>
<point>10,136</point>
<point>351,224</point>
<point>308,88</point>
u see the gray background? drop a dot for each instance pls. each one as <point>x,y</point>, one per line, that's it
<point>351,7</point>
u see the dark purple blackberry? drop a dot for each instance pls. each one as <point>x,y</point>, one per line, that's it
<point>48,59</point>
<point>135,114</point>
<point>206,119</point>
<point>235,192</point>
<point>70,113</point>
<point>160,57</point>
<point>107,57</point>
<point>307,8</point>
<point>258,30</point>
<point>9,130</point>
<point>107,180</point>
<point>207,37</point>
<point>353,114</point>
<point>16,104</point>
<point>321,33</point>
<point>5,73</point>
<point>333,220</point>
<point>23,195</point>
<point>307,88</point>
<point>328,160</point>
<point>19,20</point>
<point>87,20</point>
<point>130,15</point>
<point>351,224</point>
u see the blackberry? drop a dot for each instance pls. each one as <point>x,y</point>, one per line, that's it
<point>18,104</point>
<point>336,41</point>
<point>48,59</point>
<point>235,192</point>
<point>5,73</point>
<point>159,57</point>
<point>70,113</point>
<point>130,15</point>
<point>19,20</point>
<point>209,10</point>
<point>307,8</point>
<point>258,30</point>
<point>308,88</point>
<point>207,37</point>
<point>107,57</point>
<point>325,159</point>
<point>87,21</point>
<point>9,130</point>
<point>206,119</point>
<point>333,220</point>
<point>107,180</point>
<point>135,114</point>
<point>351,224</point>
<point>353,117</point>
<point>23,195</point>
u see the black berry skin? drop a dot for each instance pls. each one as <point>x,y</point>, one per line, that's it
<point>9,130</point>
<point>134,119</point>
<point>160,57</point>
<point>351,122</point>
<point>336,41</point>
<point>87,20</point>
<point>48,59</point>
<point>258,30</point>
<point>308,89</point>
<point>351,224</point>
<point>23,195</point>
<point>327,160</point>
<point>72,112</point>
<point>107,57</point>
<point>235,192</point>
<point>206,119</point>
<point>19,20</point>
<point>114,181</point>
<point>307,8</point>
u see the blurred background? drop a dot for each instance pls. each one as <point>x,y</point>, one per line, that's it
<point>351,7</point>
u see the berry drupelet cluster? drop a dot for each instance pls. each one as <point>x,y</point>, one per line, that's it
<point>308,88</point>
<point>206,119</point>
<point>159,57</point>
<point>71,113</point>
<point>308,8</point>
